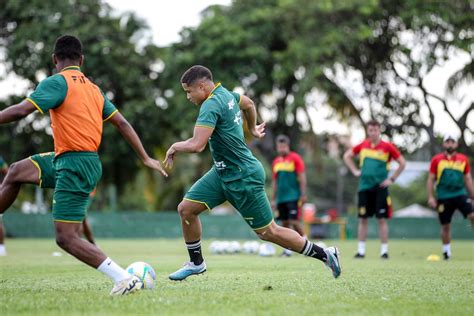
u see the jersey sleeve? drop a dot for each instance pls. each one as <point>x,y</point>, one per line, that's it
<point>356,149</point>
<point>109,109</point>
<point>468,167</point>
<point>394,152</point>
<point>236,96</point>
<point>433,165</point>
<point>208,114</point>
<point>274,174</point>
<point>299,164</point>
<point>49,94</point>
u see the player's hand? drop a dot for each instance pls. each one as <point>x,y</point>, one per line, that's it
<point>303,199</point>
<point>155,164</point>
<point>258,131</point>
<point>356,173</point>
<point>168,162</point>
<point>386,183</point>
<point>432,202</point>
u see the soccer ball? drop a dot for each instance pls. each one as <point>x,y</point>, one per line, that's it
<point>216,247</point>
<point>234,247</point>
<point>145,272</point>
<point>266,250</point>
<point>251,247</point>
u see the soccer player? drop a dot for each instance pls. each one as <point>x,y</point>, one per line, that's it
<point>3,172</point>
<point>78,108</point>
<point>237,176</point>
<point>451,171</point>
<point>39,170</point>
<point>289,186</point>
<point>374,156</point>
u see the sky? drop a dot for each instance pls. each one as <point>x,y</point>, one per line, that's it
<point>167,18</point>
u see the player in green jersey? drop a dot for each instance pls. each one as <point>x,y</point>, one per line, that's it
<point>237,176</point>
<point>38,170</point>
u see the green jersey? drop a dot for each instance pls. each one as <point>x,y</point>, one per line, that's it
<point>232,158</point>
<point>3,163</point>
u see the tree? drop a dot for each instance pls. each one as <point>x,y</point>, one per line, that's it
<point>125,71</point>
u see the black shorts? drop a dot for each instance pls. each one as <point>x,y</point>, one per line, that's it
<point>288,211</point>
<point>447,207</point>
<point>375,201</point>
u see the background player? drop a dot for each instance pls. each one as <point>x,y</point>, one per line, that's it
<point>375,156</point>
<point>3,172</point>
<point>452,173</point>
<point>289,186</point>
<point>38,170</point>
<point>237,176</point>
<point>78,109</point>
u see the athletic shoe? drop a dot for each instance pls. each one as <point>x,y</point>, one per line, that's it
<point>332,261</point>
<point>384,256</point>
<point>286,253</point>
<point>359,256</point>
<point>188,269</point>
<point>446,256</point>
<point>127,286</point>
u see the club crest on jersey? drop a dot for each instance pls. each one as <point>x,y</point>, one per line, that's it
<point>238,118</point>
<point>231,104</point>
<point>220,165</point>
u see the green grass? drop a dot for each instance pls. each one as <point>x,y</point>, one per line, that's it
<point>34,282</point>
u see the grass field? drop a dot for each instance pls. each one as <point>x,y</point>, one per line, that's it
<point>34,282</point>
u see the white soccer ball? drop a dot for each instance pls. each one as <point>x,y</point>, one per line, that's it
<point>144,272</point>
<point>251,247</point>
<point>266,250</point>
<point>225,245</point>
<point>215,247</point>
<point>234,247</point>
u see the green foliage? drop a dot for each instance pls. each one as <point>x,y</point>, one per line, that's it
<point>414,193</point>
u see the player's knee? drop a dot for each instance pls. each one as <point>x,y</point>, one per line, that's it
<point>269,233</point>
<point>62,241</point>
<point>183,211</point>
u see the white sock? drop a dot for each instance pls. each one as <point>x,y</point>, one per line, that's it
<point>361,248</point>
<point>447,249</point>
<point>3,250</point>
<point>383,248</point>
<point>113,270</point>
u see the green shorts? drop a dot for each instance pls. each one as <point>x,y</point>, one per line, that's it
<point>77,174</point>
<point>47,172</point>
<point>247,195</point>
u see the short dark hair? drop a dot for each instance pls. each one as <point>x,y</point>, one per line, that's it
<point>68,47</point>
<point>373,123</point>
<point>283,139</point>
<point>195,73</point>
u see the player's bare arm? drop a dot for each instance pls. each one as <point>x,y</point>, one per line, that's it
<point>302,183</point>
<point>469,185</point>
<point>132,138</point>
<point>16,112</point>
<point>401,166</point>
<point>349,161</point>
<point>429,187</point>
<point>250,113</point>
<point>195,144</point>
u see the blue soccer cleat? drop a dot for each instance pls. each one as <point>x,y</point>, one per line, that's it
<point>333,261</point>
<point>188,269</point>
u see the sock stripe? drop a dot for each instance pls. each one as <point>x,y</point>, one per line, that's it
<point>308,247</point>
<point>193,245</point>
